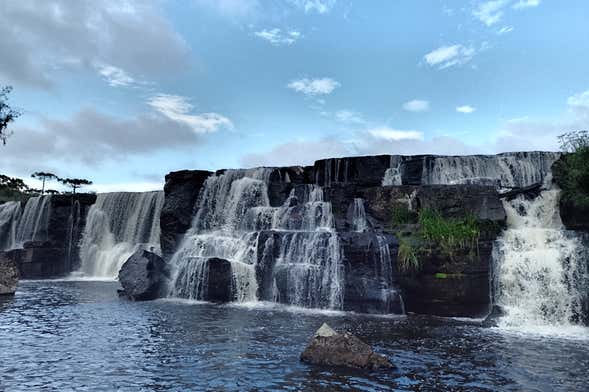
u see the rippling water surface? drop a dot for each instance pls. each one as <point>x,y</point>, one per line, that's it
<point>67,335</point>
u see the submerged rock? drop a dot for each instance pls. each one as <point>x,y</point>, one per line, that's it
<point>143,276</point>
<point>9,275</point>
<point>492,319</point>
<point>334,349</point>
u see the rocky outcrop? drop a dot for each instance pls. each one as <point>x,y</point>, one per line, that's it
<point>219,280</point>
<point>143,276</point>
<point>329,348</point>
<point>181,193</point>
<point>442,285</point>
<point>59,254</point>
<point>9,275</point>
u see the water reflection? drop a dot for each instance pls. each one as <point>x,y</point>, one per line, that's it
<point>63,335</point>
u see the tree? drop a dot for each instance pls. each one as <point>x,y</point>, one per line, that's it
<point>74,183</point>
<point>7,114</point>
<point>12,183</point>
<point>44,177</point>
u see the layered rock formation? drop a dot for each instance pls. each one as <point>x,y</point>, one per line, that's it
<point>49,233</point>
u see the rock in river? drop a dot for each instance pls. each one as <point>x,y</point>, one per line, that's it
<point>8,275</point>
<point>342,349</point>
<point>142,276</point>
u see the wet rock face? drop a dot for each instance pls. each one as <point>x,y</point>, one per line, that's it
<point>9,275</point>
<point>329,348</point>
<point>219,280</point>
<point>181,194</point>
<point>143,276</point>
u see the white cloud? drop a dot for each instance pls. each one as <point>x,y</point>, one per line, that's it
<point>44,37</point>
<point>115,77</point>
<point>490,12</point>
<point>448,56</point>
<point>579,101</point>
<point>521,4</point>
<point>177,108</point>
<point>349,117</point>
<point>387,133</point>
<point>319,6</point>
<point>466,109</point>
<point>314,87</point>
<point>279,37</point>
<point>505,30</point>
<point>416,105</point>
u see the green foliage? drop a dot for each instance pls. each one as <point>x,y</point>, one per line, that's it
<point>572,171</point>
<point>401,215</point>
<point>407,258</point>
<point>449,234</point>
<point>7,113</point>
<point>74,183</point>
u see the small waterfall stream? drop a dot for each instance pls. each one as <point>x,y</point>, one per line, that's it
<point>117,225</point>
<point>34,221</point>
<point>9,218</point>
<point>541,272</point>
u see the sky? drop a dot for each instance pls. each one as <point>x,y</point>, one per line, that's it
<point>123,92</point>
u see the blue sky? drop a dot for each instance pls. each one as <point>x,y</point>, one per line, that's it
<point>124,92</point>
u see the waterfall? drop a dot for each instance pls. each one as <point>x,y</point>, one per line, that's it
<point>392,175</point>
<point>233,210</point>
<point>117,225</point>
<point>541,277</point>
<point>34,221</point>
<point>9,217</point>
<point>359,222</point>
<point>502,170</point>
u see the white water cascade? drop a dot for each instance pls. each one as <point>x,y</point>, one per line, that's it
<point>502,170</point>
<point>541,275</point>
<point>359,222</point>
<point>233,211</point>
<point>9,217</point>
<point>34,221</point>
<point>117,225</point>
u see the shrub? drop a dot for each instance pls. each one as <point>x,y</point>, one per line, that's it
<point>450,234</point>
<point>407,258</point>
<point>572,170</point>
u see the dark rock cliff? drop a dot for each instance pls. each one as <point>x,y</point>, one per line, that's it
<point>181,193</point>
<point>456,284</point>
<point>59,254</point>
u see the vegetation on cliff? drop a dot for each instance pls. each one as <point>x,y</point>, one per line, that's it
<point>572,170</point>
<point>436,233</point>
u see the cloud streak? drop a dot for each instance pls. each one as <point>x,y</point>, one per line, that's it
<point>416,105</point>
<point>314,87</point>
<point>177,108</point>
<point>278,37</point>
<point>449,56</point>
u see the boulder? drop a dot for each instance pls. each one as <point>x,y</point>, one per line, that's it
<point>8,275</point>
<point>142,276</point>
<point>330,348</point>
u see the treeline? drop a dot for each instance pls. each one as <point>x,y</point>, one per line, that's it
<point>14,188</point>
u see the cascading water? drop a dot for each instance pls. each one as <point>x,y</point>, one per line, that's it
<point>359,222</point>
<point>233,211</point>
<point>9,217</point>
<point>34,221</point>
<point>541,277</point>
<point>502,170</point>
<point>117,225</point>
